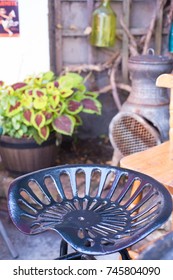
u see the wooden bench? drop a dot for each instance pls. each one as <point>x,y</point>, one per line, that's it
<point>157,161</point>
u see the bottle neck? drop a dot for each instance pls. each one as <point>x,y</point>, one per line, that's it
<point>105,3</point>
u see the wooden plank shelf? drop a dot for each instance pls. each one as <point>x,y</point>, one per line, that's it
<point>134,31</point>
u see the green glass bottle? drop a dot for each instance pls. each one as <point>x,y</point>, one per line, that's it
<point>103,26</point>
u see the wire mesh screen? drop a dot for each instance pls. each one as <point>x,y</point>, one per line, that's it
<point>130,133</point>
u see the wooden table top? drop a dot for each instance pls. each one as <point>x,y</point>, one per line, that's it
<point>156,162</point>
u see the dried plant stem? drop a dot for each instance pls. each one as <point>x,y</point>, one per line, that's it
<point>149,33</point>
<point>119,85</point>
<point>132,44</point>
<point>91,67</point>
<point>113,82</point>
<point>151,26</point>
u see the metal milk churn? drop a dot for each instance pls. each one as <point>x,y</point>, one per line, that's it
<point>143,121</point>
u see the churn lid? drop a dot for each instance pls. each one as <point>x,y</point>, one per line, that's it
<point>150,58</point>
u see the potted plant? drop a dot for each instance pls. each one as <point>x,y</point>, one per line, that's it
<point>34,110</point>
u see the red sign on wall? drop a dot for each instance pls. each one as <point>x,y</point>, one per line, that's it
<point>9,18</point>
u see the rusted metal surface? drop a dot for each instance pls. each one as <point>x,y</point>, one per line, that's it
<point>143,121</point>
<point>130,133</point>
<point>145,99</point>
<point>144,70</point>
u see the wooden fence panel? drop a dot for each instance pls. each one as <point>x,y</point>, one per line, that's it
<point>70,48</point>
<point>72,17</point>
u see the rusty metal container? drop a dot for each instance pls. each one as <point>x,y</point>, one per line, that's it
<point>144,70</point>
<point>145,98</point>
<point>143,121</point>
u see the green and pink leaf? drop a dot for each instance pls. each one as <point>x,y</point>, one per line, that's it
<point>38,120</point>
<point>91,94</point>
<point>74,107</point>
<point>48,116</point>
<point>39,93</point>
<point>54,100</point>
<point>44,132</point>
<point>60,108</point>
<point>40,102</point>
<point>19,86</point>
<point>14,109</point>
<point>27,116</point>
<point>64,124</point>
<point>30,92</point>
<point>2,83</point>
<point>78,120</point>
<point>91,106</point>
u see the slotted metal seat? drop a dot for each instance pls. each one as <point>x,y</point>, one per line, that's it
<point>89,206</point>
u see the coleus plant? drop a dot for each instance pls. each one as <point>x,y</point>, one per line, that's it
<point>44,103</point>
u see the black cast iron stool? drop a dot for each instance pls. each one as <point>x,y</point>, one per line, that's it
<point>90,207</point>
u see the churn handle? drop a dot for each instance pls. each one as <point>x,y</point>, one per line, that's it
<point>166,80</point>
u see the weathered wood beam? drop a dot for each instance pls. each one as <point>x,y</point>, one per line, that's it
<point>58,35</point>
<point>125,48</point>
<point>90,7</point>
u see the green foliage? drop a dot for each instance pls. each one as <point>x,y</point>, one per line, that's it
<point>44,103</point>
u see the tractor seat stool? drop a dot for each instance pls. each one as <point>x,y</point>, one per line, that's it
<point>90,207</point>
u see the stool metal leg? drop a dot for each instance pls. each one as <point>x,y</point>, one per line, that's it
<point>72,256</point>
<point>63,248</point>
<point>124,254</point>
<point>87,257</point>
